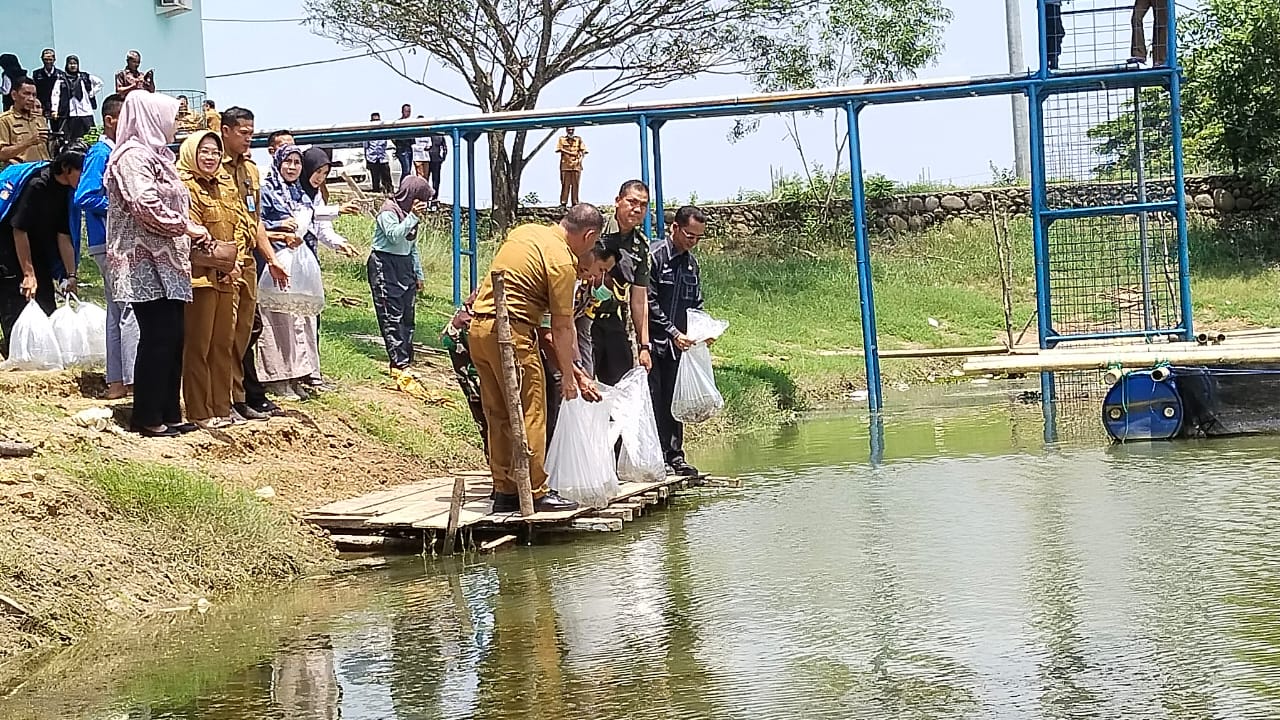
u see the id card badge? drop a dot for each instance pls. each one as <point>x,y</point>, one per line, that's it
<point>250,204</point>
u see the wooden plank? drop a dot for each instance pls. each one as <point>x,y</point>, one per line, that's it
<point>540,517</point>
<point>636,508</point>
<point>493,545</point>
<point>724,482</point>
<point>372,543</point>
<point>363,503</point>
<point>649,499</point>
<point>471,513</point>
<point>663,492</point>
<point>339,522</point>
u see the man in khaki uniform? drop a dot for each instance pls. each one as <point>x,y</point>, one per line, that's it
<point>243,197</point>
<point>24,133</point>
<point>540,264</point>
<point>571,149</point>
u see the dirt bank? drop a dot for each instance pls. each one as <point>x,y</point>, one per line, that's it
<point>100,526</point>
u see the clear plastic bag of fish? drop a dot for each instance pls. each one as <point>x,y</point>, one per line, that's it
<point>81,329</point>
<point>631,406</point>
<point>580,459</point>
<point>304,295</point>
<point>34,344</point>
<point>696,398</point>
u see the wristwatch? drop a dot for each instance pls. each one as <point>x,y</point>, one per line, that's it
<point>645,346</point>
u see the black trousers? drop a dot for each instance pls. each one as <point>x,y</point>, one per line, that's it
<point>255,393</point>
<point>552,373</point>
<point>662,386</point>
<point>12,303</point>
<point>157,375</point>
<point>394,285</point>
<point>380,177</point>
<point>611,349</point>
<point>1055,31</point>
<point>433,174</point>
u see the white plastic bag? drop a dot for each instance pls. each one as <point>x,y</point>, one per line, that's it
<point>631,406</point>
<point>305,294</point>
<point>81,329</point>
<point>696,398</point>
<point>33,345</point>
<point>580,459</point>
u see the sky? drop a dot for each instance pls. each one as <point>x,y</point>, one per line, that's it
<point>952,140</point>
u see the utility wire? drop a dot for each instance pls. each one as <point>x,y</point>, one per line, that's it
<point>306,64</point>
<point>250,20</point>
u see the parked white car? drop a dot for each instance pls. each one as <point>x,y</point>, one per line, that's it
<point>349,162</point>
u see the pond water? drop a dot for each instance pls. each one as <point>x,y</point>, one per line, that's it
<point>975,572</point>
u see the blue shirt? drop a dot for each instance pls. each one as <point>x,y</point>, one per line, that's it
<point>394,236</point>
<point>90,198</point>
<point>375,151</point>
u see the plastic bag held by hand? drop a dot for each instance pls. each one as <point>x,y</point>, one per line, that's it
<point>81,329</point>
<point>580,459</point>
<point>632,409</point>
<point>696,398</point>
<point>33,345</point>
<point>305,295</point>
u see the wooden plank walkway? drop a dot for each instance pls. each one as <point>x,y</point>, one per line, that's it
<point>423,507</point>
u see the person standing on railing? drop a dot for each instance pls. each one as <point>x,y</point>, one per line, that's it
<point>571,149</point>
<point>375,159</point>
<point>1159,31</point>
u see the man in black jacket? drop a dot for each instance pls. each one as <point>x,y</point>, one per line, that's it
<point>675,287</point>
<point>34,237</point>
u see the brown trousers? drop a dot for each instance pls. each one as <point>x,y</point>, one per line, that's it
<point>1159,41</point>
<point>483,341</point>
<point>569,181</point>
<point>244,303</point>
<point>208,353</point>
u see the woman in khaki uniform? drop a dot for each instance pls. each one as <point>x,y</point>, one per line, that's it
<point>208,356</point>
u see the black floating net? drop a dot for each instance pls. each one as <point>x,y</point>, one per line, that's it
<point>1236,400</point>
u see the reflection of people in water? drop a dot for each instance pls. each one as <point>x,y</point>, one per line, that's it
<point>303,682</point>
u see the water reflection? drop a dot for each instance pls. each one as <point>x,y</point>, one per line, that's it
<point>975,572</point>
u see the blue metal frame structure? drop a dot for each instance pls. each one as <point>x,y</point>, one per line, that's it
<point>650,118</point>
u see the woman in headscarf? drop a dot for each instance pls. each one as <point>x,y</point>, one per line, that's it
<point>395,273</point>
<point>315,173</point>
<point>12,71</point>
<point>288,352</point>
<point>149,239</point>
<point>208,357</point>
<point>74,100</point>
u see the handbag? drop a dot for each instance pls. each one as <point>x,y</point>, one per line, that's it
<point>224,257</point>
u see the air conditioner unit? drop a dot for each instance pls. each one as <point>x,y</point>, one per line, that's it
<point>173,7</point>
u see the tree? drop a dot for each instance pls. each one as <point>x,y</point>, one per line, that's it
<point>510,51</point>
<point>842,43</point>
<point>1117,141</point>
<point>1232,96</point>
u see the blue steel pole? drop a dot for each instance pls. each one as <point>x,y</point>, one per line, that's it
<point>866,299</point>
<point>1042,38</point>
<point>644,169</point>
<point>660,212</point>
<point>1180,194</point>
<point>1039,244</point>
<point>472,268</point>
<point>457,217</point>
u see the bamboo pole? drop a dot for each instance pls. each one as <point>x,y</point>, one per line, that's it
<point>511,391</point>
<point>1104,358</point>
<point>455,509</point>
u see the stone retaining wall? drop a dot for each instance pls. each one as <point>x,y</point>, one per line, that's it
<point>1206,195</point>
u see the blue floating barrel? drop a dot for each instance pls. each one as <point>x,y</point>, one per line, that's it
<point>1143,406</point>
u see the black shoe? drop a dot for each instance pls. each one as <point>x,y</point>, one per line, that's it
<point>684,469</point>
<point>184,428</point>
<point>168,432</point>
<point>269,408</point>
<point>552,502</point>
<point>249,413</point>
<point>503,503</point>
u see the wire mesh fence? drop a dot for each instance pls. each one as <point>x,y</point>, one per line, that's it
<point>1099,34</point>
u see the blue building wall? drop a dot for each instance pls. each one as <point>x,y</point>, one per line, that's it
<point>102,31</point>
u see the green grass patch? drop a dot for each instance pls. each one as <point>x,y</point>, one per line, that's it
<point>219,538</point>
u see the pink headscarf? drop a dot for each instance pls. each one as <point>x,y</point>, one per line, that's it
<point>147,121</point>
